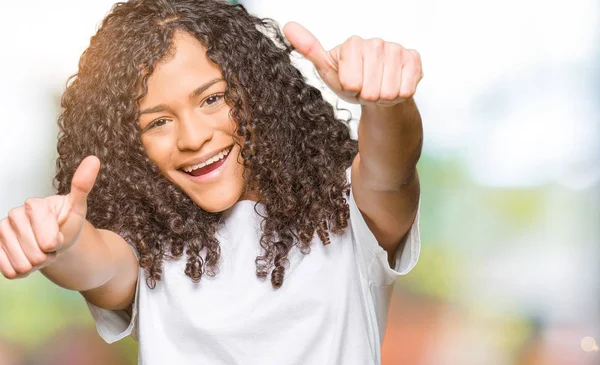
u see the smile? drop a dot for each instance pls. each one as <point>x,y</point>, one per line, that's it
<point>208,165</point>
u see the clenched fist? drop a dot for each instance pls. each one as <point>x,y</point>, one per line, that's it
<point>361,71</point>
<point>35,233</point>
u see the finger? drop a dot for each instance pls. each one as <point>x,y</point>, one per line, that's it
<point>351,67</point>
<point>418,62</point>
<point>13,250</point>
<point>411,75</point>
<point>81,185</point>
<point>44,224</point>
<point>309,46</point>
<point>392,72</point>
<point>5,266</point>
<point>372,70</point>
<point>73,212</point>
<point>51,257</point>
<point>22,227</point>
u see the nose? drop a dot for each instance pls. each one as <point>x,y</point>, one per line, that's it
<point>192,133</point>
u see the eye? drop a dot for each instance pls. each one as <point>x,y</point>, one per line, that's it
<point>157,123</point>
<point>213,99</point>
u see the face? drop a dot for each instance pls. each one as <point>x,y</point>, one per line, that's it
<point>186,129</point>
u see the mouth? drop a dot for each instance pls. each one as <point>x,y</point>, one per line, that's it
<point>209,165</point>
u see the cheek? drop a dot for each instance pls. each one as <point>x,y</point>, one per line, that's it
<point>157,150</point>
<point>235,175</point>
<point>227,123</point>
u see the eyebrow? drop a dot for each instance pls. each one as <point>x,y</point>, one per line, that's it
<point>201,89</point>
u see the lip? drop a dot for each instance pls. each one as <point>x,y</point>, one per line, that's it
<point>213,175</point>
<point>204,158</point>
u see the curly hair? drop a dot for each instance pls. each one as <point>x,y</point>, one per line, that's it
<point>295,151</point>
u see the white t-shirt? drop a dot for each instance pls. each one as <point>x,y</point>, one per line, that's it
<point>331,309</point>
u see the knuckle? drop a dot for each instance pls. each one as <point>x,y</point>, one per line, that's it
<point>13,216</point>
<point>377,44</point>
<point>399,54</point>
<point>369,96</point>
<point>38,260</point>
<point>395,48</point>
<point>4,227</point>
<point>23,268</point>
<point>415,54</point>
<point>32,203</point>
<point>354,40</point>
<point>349,83</point>
<point>407,92</point>
<point>389,95</point>
<point>48,245</point>
<point>10,275</point>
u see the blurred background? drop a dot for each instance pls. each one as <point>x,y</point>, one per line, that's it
<point>509,269</point>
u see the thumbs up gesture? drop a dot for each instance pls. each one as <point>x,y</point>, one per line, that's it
<point>35,233</point>
<point>360,71</point>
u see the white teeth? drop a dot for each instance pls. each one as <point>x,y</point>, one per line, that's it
<point>215,158</point>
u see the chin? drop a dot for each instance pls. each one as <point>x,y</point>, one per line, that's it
<point>218,202</point>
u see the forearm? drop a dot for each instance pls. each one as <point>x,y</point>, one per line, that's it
<point>88,264</point>
<point>390,140</point>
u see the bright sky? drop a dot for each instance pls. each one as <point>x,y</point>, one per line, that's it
<point>506,83</point>
<point>41,44</point>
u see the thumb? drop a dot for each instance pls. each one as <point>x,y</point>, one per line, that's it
<point>81,185</point>
<point>309,46</point>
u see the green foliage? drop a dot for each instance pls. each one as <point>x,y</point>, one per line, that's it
<point>436,274</point>
<point>32,309</point>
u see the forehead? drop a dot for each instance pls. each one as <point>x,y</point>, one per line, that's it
<point>182,71</point>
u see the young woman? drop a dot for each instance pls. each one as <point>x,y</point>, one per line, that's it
<point>261,233</point>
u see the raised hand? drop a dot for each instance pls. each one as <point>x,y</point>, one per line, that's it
<point>361,71</point>
<point>35,233</point>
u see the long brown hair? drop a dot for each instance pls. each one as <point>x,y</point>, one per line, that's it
<point>295,152</point>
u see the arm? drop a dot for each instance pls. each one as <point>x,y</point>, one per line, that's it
<point>101,266</point>
<point>52,235</point>
<point>382,77</point>
<point>385,182</point>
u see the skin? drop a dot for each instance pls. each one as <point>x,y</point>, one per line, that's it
<point>180,127</point>
<point>382,77</point>
<point>186,130</point>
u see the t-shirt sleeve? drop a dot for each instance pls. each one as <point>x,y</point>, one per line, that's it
<point>375,263</point>
<point>113,325</point>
